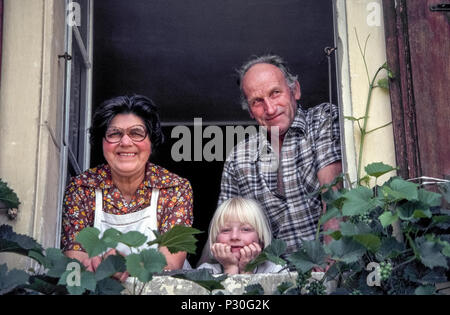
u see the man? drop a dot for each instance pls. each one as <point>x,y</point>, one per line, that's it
<point>306,153</point>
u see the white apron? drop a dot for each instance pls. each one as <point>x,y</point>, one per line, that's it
<point>144,221</point>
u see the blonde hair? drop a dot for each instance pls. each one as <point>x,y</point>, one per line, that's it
<point>244,210</point>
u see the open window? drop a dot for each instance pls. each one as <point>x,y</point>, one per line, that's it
<point>183,55</point>
<point>75,153</point>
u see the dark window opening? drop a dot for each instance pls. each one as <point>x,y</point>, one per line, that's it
<point>183,55</point>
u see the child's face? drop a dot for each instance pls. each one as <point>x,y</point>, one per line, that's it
<point>237,235</point>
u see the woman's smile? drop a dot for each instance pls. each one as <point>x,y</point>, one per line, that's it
<point>127,157</point>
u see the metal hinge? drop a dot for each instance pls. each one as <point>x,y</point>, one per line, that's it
<point>66,56</point>
<point>440,7</point>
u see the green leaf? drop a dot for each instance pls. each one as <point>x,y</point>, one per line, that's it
<point>276,248</point>
<point>145,264</point>
<point>75,290</point>
<point>109,266</point>
<point>425,290</point>
<point>446,248</point>
<point>418,214</point>
<point>361,233</point>
<point>444,188</point>
<point>409,210</point>
<point>109,286</point>
<point>350,229</point>
<point>436,275</point>
<point>391,74</point>
<point>271,253</point>
<point>383,83</point>
<point>88,281</point>
<point>41,284</point>
<point>429,198</point>
<point>390,248</point>
<point>261,258</point>
<point>179,238</point>
<point>441,221</point>
<point>391,195</point>
<point>378,169</point>
<point>310,255</point>
<point>358,201</point>
<point>337,235</point>
<point>12,242</point>
<point>254,289</point>
<point>407,190</point>
<point>133,239</point>
<point>58,262</point>
<point>369,241</point>
<point>89,239</point>
<point>8,196</point>
<point>11,280</point>
<point>111,237</point>
<point>430,254</point>
<point>346,250</point>
<point>436,239</point>
<point>40,258</point>
<point>387,218</point>
<point>203,278</point>
<point>283,287</point>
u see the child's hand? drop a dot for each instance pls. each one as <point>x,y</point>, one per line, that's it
<point>223,254</point>
<point>248,253</point>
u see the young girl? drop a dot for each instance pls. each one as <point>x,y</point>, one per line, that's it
<point>238,232</point>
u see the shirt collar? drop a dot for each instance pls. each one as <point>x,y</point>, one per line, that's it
<point>263,145</point>
<point>299,120</point>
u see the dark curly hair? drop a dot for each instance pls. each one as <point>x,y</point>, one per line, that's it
<point>139,105</point>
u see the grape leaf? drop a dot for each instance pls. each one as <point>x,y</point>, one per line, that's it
<point>145,264</point>
<point>310,255</point>
<point>8,196</point>
<point>378,169</point>
<point>89,239</point>
<point>178,238</point>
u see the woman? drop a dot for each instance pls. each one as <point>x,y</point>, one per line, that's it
<point>128,192</point>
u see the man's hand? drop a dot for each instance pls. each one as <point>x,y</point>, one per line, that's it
<point>330,225</point>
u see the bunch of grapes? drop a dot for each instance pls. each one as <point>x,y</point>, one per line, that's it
<point>316,288</point>
<point>364,218</point>
<point>385,270</point>
<point>302,279</point>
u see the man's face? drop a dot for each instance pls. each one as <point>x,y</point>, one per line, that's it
<point>271,101</point>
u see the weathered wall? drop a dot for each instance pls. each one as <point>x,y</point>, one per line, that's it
<point>363,18</point>
<point>30,115</point>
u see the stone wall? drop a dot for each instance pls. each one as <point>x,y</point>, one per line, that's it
<point>234,285</point>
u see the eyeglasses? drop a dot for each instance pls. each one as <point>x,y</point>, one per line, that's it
<point>136,133</point>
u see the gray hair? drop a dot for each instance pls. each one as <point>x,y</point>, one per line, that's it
<point>275,60</point>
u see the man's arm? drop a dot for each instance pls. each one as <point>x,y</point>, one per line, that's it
<point>326,175</point>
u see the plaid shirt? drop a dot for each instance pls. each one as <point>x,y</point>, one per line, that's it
<point>252,170</point>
